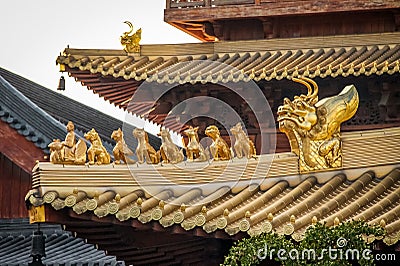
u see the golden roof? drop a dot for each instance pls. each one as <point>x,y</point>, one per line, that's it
<point>241,60</point>
<point>366,187</point>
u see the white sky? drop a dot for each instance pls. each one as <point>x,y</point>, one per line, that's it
<point>34,33</point>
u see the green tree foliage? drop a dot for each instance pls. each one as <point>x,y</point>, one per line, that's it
<point>335,246</point>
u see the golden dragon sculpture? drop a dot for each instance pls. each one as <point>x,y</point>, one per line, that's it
<point>131,42</point>
<point>313,127</point>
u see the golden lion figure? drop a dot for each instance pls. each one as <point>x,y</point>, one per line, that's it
<point>68,151</point>
<point>194,150</point>
<point>144,150</point>
<point>244,146</point>
<point>219,149</point>
<point>96,153</point>
<point>121,150</point>
<point>169,152</point>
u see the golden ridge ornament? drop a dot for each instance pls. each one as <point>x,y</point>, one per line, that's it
<point>96,153</point>
<point>219,149</point>
<point>244,146</point>
<point>169,152</point>
<point>144,151</point>
<point>313,127</point>
<point>194,150</point>
<point>131,42</point>
<point>121,150</point>
<point>68,151</point>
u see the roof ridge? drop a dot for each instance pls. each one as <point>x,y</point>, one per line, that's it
<point>14,97</point>
<point>77,111</point>
<point>276,44</point>
<point>47,90</point>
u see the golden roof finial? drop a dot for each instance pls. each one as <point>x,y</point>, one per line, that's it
<point>270,217</point>
<point>139,201</point>
<point>161,204</point>
<point>204,209</point>
<point>247,214</point>
<point>117,198</point>
<point>292,219</point>
<point>131,42</point>
<point>302,117</point>
<point>183,207</point>
<point>336,221</point>
<point>382,223</point>
<point>314,219</point>
<point>226,212</point>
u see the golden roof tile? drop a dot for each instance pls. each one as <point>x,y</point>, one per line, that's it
<point>312,57</point>
<point>360,190</point>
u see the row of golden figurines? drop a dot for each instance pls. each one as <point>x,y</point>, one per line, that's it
<point>71,152</point>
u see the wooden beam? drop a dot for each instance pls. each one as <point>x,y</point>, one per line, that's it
<point>275,8</point>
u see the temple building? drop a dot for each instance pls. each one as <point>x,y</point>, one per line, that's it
<point>28,122</point>
<point>289,112</point>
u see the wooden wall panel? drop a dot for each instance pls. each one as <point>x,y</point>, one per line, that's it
<point>14,184</point>
<point>21,151</point>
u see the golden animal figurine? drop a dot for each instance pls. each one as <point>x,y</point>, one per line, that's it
<point>313,127</point>
<point>121,150</point>
<point>169,152</point>
<point>219,149</point>
<point>55,151</point>
<point>131,42</point>
<point>144,150</point>
<point>96,153</point>
<point>68,151</point>
<point>244,146</point>
<point>194,150</point>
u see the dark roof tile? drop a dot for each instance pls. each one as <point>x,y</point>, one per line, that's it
<point>41,114</point>
<point>60,246</point>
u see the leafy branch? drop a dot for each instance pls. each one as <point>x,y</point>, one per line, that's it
<point>322,245</point>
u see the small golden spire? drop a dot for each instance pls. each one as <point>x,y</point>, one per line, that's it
<point>139,201</point>
<point>314,219</point>
<point>183,207</point>
<point>382,223</point>
<point>204,209</point>
<point>75,191</point>
<point>226,212</point>
<point>336,221</point>
<point>247,214</point>
<point>161,204</point>
<point>270,217</point>
<point>117,198</point>
<point>292,219</point>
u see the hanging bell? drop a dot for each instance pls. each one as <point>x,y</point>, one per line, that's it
<point>38,245</point>
<point>61,84</point>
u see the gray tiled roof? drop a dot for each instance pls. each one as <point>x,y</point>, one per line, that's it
<point>61,247</point>
<point>41,114</point>
<point>27,118</point>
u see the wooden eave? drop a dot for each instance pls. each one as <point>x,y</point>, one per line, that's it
<point>193,16</point>
<point>201,12</point>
